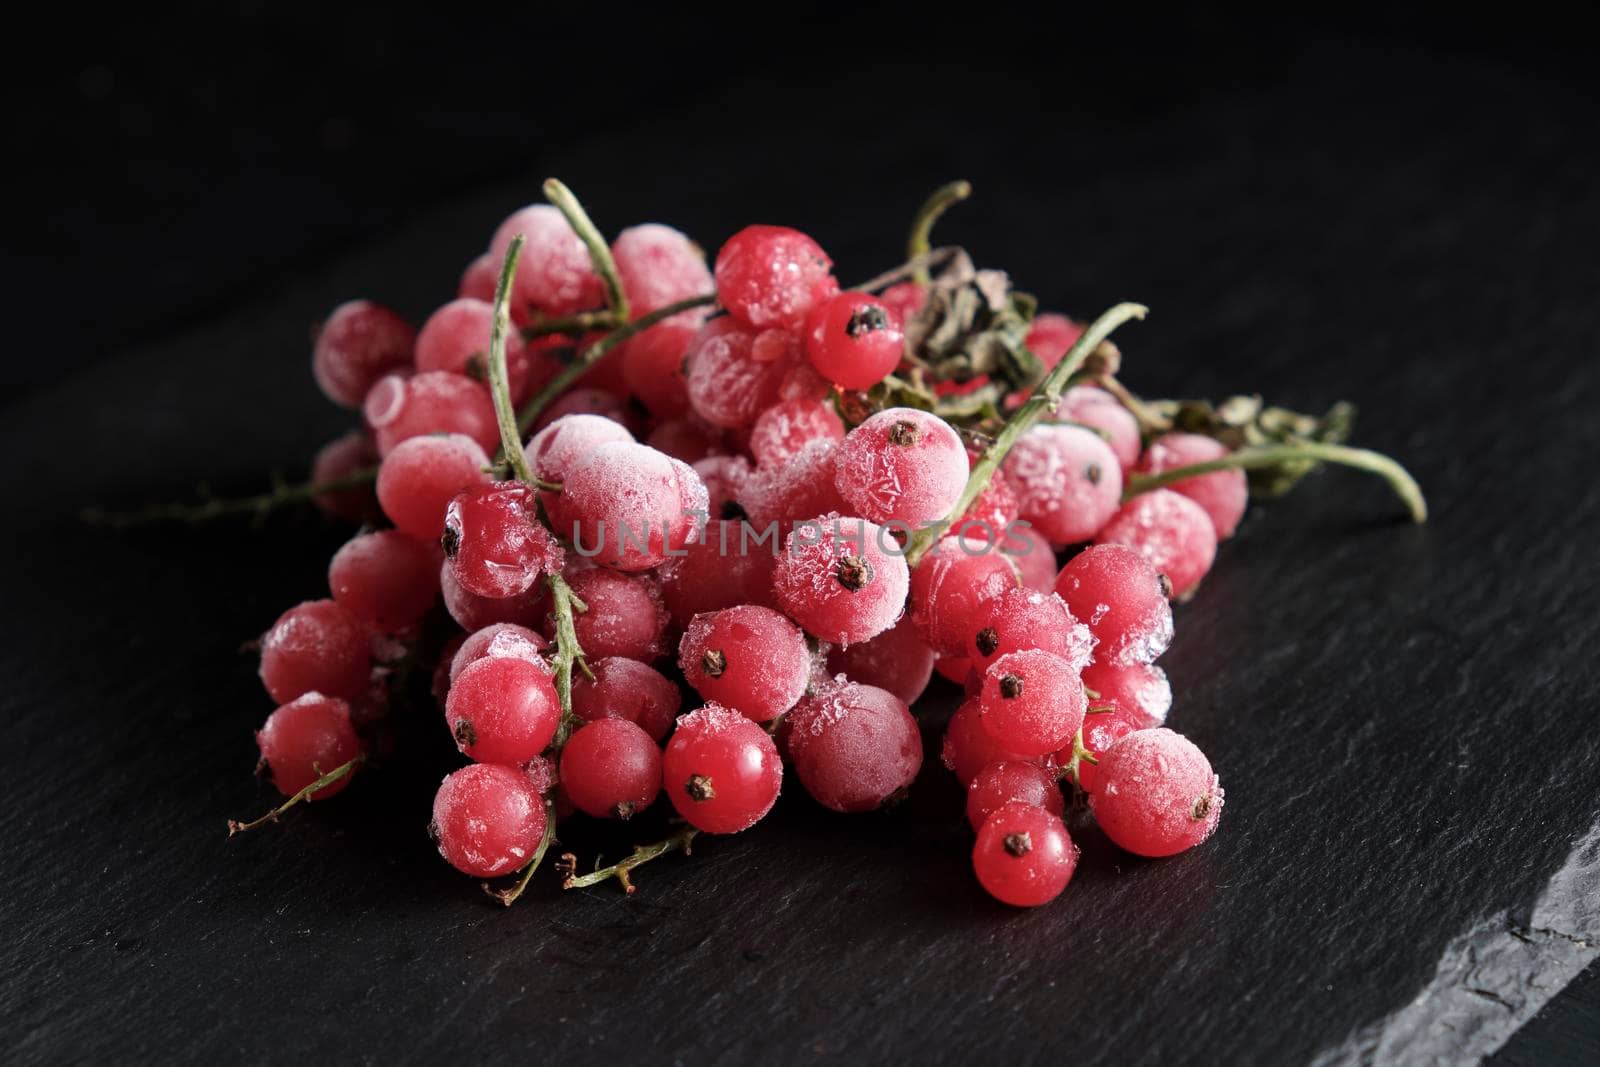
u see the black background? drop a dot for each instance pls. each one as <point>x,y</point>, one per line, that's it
<point>1389,206</point>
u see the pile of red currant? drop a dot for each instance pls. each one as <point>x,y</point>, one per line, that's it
<point>614,461</point>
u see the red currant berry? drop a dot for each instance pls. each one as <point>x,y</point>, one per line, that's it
<point>954,590</point>
<point>627,689</point>
<point>727,567</point>
<point>1010,782</point>
<point>1140,689</point>
<point>610,769</point>
<point>788,426</point>
<point>992,513</point>
<point>625,615</point>
<point>627,506</point>
<point>305,739</point>
<point>747,658</point>
<point>721,771</point>
<point>1067,481</point>
<point>502,710</point>
<point>689,439</point>
<point>397,409</point>
<point>1023,619</point>
<point>591,400</point>
<point>478,281</point>
<point>842,579</point>
<point>896,660</point>
<point>1171,531</point>
<point>772,276</point>
<point>726,479</point>
<point>1223,494</point>
<point>659,266</point>
<point>905,299</point>
<point>730,378</point>
<point>855,747</point>
<point>386,579</point>
<point>360,343</point>
<point>1158,795</point>
<point>1031,552</point>
<point>559,447</point>
<point>505,639</point>
<point>487,820</point>
<point>1050,336</point>
<point>1103,726</point>
<point>1032,701</point>
<point>1023,856</point>
<point>1123,600</point>
<point>799,489</point>
<point>474,612</point>
<point>456,338</point>
<point>316,647</point>
<point>494,542</point>
<point>853,340</point>
<point>554,273</point>
<point>340,458</point>
<point>1099,410</point>
<point>901,464</point>
<point>954,669</point>
<point>969,748</point>
<point>652,368</point>
<point>418,478</point>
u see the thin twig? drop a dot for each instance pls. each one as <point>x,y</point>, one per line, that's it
<point>344,769</point>
<point>599,252</point>
<point>509,895</point>
<point>922,224</point>
<point>622,869</point>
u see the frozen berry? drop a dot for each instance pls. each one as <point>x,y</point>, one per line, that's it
<point>1067,481</point>
<point>1101,411</point>
<point>1050,336</point>
<point>499,639</point>
<point>721,771</point>
<point>1031,552</point>
<point>627,689</point>
<point>358,344</point>
<point>474,612</point>
<point>502,710</point>
<point>1012,782</point>
<point>339,459</point>
<point>386,579</point>
<point>747,658</point>
<point>1032,701</point>
<point>1103,726</point>
<point>316,647</point>
<point>628,506</point>
<point>554,273</point>
<point>304,740</point>
<point>901,464</point>
<point>953,591</point>
<point>399,408</point>
<point>1171,531</point>
<point>659,266</point>
<point>652,368</point>
<point>624,617</point>
<point>1023,856</point>
<point>1023,619</point>
<point>842,579</point>
<point>969,748</point>
<point>730,378</point>
<point>732,564</point>
<point>800,488</point>
<point>1223,494</point>
<point>897,660</point>
<point>1140,689</point>
<point>853,340</point>
<point>788,426</point>
<point>494,542</point>
<point>1122,598</point>
<point>772,276</point>
<point>418,479</point>
<point>456,338</point>
<point>562,444</point>
<point>855,747</point>
<point>610,769</point>
<point>1157,794</point>
<point>487,820</point>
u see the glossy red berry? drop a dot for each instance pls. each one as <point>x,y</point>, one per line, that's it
<point>418,479</point>
<point>387,579</point>
<point>554,273</point>
<point>339,459</point>
<point>842,579</point>
<point>625,615</point>
<point>855,747</point>
<point>731,564</point>
<point>1023,856</point>
<point>783,429</point>
<point>1067,481</point>
<point>627,506</point>
<point>399,408</point>
<point>772,276</point>
<point>969,748</point>
<point>494,542</point>
<point>358,344</point>
<point>1171,531</point>
<point>897,660</point>
<point>1122,599</point>
<point>747,658</point>
<point>610,769</point>
<point>721,771</point>
<point>499,639</point>
<point>1140,689</point>
<point>1032,701</point>
<point>734,372</point>
<point>954,590</point>
<point>1023,619</point>
<point>502,710</point>
<point>316,647</point>
<point>487,820</point>
<point>474,612</point>
<point>304,740</point>
<point>853,340</point>
<point>1223,494</point>
<point>1157,794</point>
<point>627,689</point>
<point>1012,782</point>
<point>901,464</point>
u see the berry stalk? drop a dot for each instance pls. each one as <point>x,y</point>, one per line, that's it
<point>1255,457</point>
<point>1046,395</point>
<point>558,194</point>
<point>511,894</point>
<point>941,200</point>
<point>499,381</point>
<point>622,869</point>
<point>341,771</point>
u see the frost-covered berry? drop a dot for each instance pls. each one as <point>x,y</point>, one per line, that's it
<point>487,820</point>
<point>772,276</point>
<point>385,578</point>
<point>479,279</point>
<point>627,689</point>
<point>418,479</point>
<point>720,770</point>
<point>747,658</point>
<point>1103,726</point>
<point>1067,481</point>
<point>341,458</point>
<point>897,660</point>
<point>969,748</point>
<point>1012,782</point>
<point>901,464</point>
<point>456,338</point>
<point>1031,552</point>
<point>305,739</point>
<point>474,612</point>
<point>652,368</point>
<point>359,343</point>
<point>801,488</point>
<point>731,564</point>
<point>625,615</point>
<point>842,579</point>
<point>499,639</point>
<point>1223,494</point>
<point>853,340</point>
<point>1050,336</point>
<point>1141,690</point>
<point>399,408</point>
<point>626,506</point>
<point>1023,856</point>
<point>854,747</point>
<point>1122,599</point>
<point>1096,408</point>
<point>554,273</point>
<point>726,479</point>
<point>1032,701</point>
<point>610,769</point>
<point>788,426</point>
<point>734,372</point>
<point>316,647</point>
<point>502,709</point>
<point>1157,794</point>
<point>1026,618</point>
<point>689,438</point>
<point>953,591</point>
<point>559,446</point>
<point>494,542</point>
<point>1171,531</point>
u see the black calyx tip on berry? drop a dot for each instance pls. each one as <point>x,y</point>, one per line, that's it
<point>699,787</point>
<point>1166,586</point>
<point>733,511</point>
<point>867,320</point>
<point>904,433</point>
<point>450,541</point>
<point>477,367</point>
<point>853,572</point>
<point>1011,686</point>
<point>1093,473</point>
<point>987,641</point>
<point>1018,845</point>
<point>714,662</point>
<point>466,734</point>
<point>625,809</point>
<point>1202,807</point>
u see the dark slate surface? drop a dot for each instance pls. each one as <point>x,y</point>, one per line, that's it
<point>1403,717</point>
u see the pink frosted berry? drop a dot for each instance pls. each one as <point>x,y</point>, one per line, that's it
<point>1050,336</point>
<point>689,438</point>
<point>1140,689</point>
<point>1157,794</point>
<point>456,338</point>
<point>554,273</point>
<point>1031,552</point>
<point>625,615</point>
<point>386,579</point>
<point>842,579</point>
<point>747,658</point>
<point>731,564</point>
<point>1098,409</point>
<point>788,426</point>
<point>1026,618</point>
<point>342,458</point>
<point>1103,726</point>
<point>474,612</point>
<point>953,591</point>
<point>731,378</point>
<point>478,281</point>
<point>1067,481</point>
<point>417,480</point>
<point>303,740</point>
<point>726,479</point>
<point>969,748</point>
<point>593,400</point>
<point>610,768</point>
<point>897,660</point>
<point>1032,701</point>
<point>1171,531</point>
<point>487,820</point>
<point>505,639</point>
<point>316,647</point>
<point>561,444</point>
<point>399,408</point>
<point>901,464</point>
<point>359,343</point>
<point>854,747</point>
<point>1023,855</point>
<point>1223,494</point>
<point>772,276</point>
<point>627,506</point>
<point>800,488</point>
<point>502,709</point>
<point>1012,782</point>
<point>659,266</point>
<point>1122,598</point>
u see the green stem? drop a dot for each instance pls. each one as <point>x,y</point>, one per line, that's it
<point>341,771</point>
<point>586,359</point>
<point>1250,458</point>
<point>568,652</point>
<point>622,869</point>
<point>599,252</point>
<point>908,269</point>
<point>499,380</point>
<point>1150,421</point>
<point>1046,395</point>
<point>510,895</point>
<point>1080,756</point>
<point>258,506</point>
<point>922,224</point>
